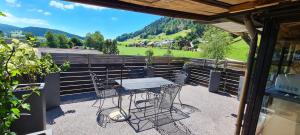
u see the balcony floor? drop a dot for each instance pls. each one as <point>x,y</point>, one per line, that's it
<point>204,113</point>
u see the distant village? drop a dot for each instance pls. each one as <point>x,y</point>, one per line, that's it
<point>168,43</point>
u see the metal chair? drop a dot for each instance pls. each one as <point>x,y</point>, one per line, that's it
<point>165,100</point>
<point>180,78</point>
<point>100,90</point>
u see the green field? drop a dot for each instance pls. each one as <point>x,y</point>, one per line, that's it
<point>159,37</point>
<point>238,51</point>
<point>157,52</point>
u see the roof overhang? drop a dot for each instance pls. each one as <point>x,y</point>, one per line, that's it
<point>226,14</point>
<point>202,10</point>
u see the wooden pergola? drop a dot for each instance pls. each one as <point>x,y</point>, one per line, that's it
<point>205,11</point>
<point>246,18</point>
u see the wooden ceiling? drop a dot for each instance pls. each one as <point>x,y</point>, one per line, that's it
<point>205,10</point>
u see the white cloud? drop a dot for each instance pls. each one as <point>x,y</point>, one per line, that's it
<point>40,11</point>
<point>13,3</point>
<point>114,18</point>
<point>63,6</point>
<point>90,6</point>
<point>23,22</point>
<point>47,13</point>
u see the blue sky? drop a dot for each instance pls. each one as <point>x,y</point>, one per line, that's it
<point>73,17</point>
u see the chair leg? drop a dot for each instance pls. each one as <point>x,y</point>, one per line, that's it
<point>95,101</point>
<point>179,99</point>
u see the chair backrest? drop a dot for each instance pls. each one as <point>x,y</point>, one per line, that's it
<point>168,95</point>
<point>97,83</point>
<point>180,78</point>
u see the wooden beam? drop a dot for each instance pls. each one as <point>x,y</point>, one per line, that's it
<point>214,3</point>
<point>145,9</point>
<point>253,5</point>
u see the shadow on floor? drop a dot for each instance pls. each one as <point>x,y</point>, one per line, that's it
<point>174,128</point>
<point>185,108</point>
<point>87,96</point>
<point>141,121</point>
<point>54,113</point>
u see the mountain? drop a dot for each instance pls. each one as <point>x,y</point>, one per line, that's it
<point>166,26</point>
<point>37,31</point>
<point>7,28</point>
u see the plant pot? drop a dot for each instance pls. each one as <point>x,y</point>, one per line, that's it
<point>214,81</point>
<point>240,89</point>
<point>35,119</point>
<point>52,90</point>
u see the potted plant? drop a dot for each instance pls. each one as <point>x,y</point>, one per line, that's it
<point>215,47</point>
<point>21,95</point>
<point>52,81</point>
<point>149,70</point>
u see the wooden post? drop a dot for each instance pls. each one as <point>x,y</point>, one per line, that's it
<point>253,32</point>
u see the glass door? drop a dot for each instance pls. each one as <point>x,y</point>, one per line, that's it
<point>280,109</point>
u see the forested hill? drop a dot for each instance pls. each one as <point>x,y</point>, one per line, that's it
<point>165,25</point>
<point>36,31</point>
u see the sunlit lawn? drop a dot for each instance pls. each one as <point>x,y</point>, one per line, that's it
<point>157,52</point>
<point>238,51</point>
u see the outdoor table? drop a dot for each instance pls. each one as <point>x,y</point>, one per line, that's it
<point>132,86</point>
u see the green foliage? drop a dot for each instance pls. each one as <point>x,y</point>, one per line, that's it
<point>65,66</point>
<point>52,40</point>
<point>216,43</point>
<point>29,35</point>
<point>165,25</point>
<point>2,14</point>
<point>158,52</point>
<point>1,34</point>
<point>74,41</point>
<point>149,57</point>
<point>169,52</point>
<point>19,64</point>
<point>110,47</point>
<point>63,41</point>
<point>94,40</point>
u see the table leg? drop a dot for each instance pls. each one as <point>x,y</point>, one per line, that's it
<point>119,114</point>
<point>129,108</point>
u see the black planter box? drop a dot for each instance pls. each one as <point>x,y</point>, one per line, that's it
<point>52,90</point>
<point>214,81</point>
<point>35,119</point>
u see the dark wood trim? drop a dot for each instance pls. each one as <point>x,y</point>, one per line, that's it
<point>282,7</point>
<point>144,9</point>
<point>259,78</point>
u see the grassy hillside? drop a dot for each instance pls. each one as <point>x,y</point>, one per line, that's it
<point>238,51</point>
<point>159,37</point>
<point>157,52</point>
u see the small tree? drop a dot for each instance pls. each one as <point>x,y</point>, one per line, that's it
<point>149,57</point>
<point>62,41</point>
<point>94,40</point>
<point>110,47</point>
<point>216,43</point>
<point>52,40</point>
<point>74,41</point>
<point>168,53</point>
